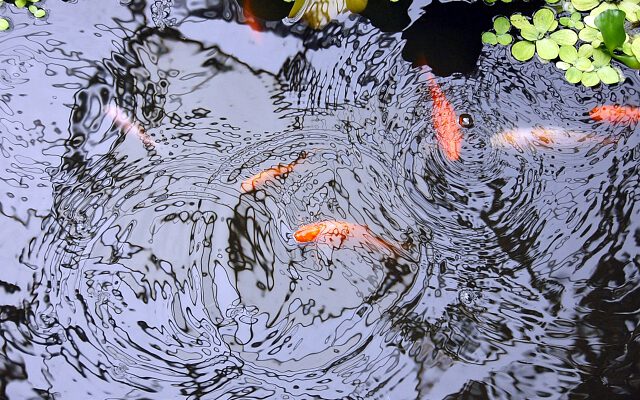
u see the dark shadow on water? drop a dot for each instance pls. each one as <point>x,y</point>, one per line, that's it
<point>448,36</point>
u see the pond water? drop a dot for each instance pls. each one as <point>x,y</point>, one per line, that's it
<point>141,261</point>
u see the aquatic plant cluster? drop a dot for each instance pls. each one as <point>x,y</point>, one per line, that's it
<point>31,5</point>
<point>582,37</point>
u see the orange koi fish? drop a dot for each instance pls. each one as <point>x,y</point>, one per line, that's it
<point>125,124</point>
<point>252,21</point>
<point>335,233</point>
<point>445,122</point>
<point>615,114</point>
<point>253,183</point>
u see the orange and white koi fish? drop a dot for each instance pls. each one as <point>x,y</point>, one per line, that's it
<point>616,114</point>
<point>256,181</point>
<point>124,123</point>
<point>542,137</point>
<point>445,122</point>
<point>336,233</point>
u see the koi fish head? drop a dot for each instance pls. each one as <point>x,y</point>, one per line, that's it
<point>330,233</point>
<point>256,181</point>
<point>308,233</point>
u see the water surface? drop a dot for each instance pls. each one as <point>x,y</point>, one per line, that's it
<point>140,269</point>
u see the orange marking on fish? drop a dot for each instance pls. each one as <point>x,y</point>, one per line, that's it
<point>615,114</point>
<point>252,21</point>
<point>445,122</point>
<point>336,233</point>
<point>254,182</point>
<point>544,135</point>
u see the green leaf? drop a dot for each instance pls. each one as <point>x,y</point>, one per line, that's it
<point>608,75</point>
<point>590,79</point>
<point>563,65</point>
<point>588,34</point>
<point>584,5</point>
<point>600,58</point>
<point>576,16</point>
<point>20,3</point>
<point>4,24</point>
<point>626,48</point>
<point>543,19</point>
<point>586,50</point>
<point>635,47</point>
<point>505,39</point>
<point>489,38</point>
<point>566,21</point>
<point>554,25</point>
<point>629,61</point>
<point>523,50</point>
<point>568,54</point>
<point>573,75</point>
<point>630,9</point>
<point>530,33</point>
<point>564,37</point>
<point>39,13</point>
<point>519,21</point>
<point>552,1</point>
<point>547,49</point>
<point>501,25</point>
<point>611,24</point>
<point>578,25</point>
<point>584,64</point>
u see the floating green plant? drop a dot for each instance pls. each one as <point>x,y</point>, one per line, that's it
<point>540,37</point>
<point>631,8</point>
<point>572,21</point>
<point>615,39</point>
<point>29,4</point>
<point>585,45</point>
<point>501,26</point>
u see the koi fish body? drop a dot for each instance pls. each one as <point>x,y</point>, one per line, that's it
<point>616,114</point>
<point>445,122</point>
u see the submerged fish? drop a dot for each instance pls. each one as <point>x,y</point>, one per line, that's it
<point>616,114</point>
<point>252,21</point>
<point>445,122</point>
<point>548,136</point>
<point>125,124</point>
<point>336,233</point>
<point>254,182</point>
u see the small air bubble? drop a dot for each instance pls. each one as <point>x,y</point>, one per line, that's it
<point>466,120</point>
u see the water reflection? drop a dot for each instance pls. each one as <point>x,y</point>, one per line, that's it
<point>144,268</point>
